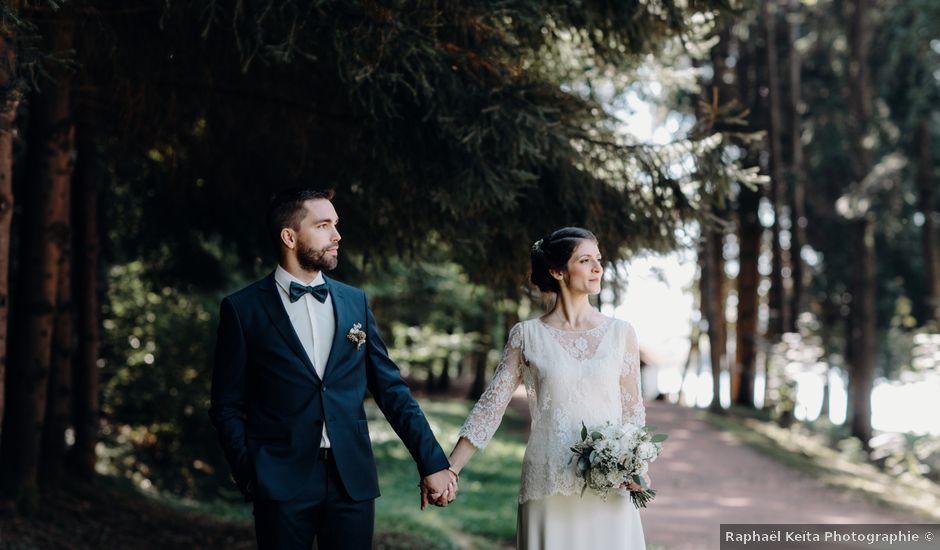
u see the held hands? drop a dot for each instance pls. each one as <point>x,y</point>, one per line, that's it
<point>439,488</point>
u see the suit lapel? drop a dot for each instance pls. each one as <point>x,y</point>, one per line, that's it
<point>343,324</point>
<point>271,300</point>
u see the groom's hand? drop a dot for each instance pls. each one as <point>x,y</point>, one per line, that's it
<point>440,488</point>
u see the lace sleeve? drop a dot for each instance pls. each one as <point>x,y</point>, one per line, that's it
<point>631,395</point>
<point>488,411</point>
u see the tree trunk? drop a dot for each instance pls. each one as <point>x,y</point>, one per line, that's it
<point>830,318</point>
<point>713,303</point>
<point>797,173</point>
<point>49,165</point>
<point>85,393</point>
<point>443,382</point>
<point>58,401</point>
<point>479,371</point>
<point>863,331</point>
<point>430,382</point>
<point>749,241</point>
<point>863,294</point>
<point>779,308</point>
<point>718,335</point>
<point>9,102</point>
<point>927,195</point>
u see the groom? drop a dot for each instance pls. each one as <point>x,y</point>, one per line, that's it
<point>295,354</point>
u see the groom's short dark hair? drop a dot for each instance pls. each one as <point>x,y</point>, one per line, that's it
<point>286,208</point>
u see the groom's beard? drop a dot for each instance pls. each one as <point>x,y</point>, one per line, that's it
<point>311,259</point>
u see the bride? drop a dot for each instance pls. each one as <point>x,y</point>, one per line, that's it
<point>577,366</point>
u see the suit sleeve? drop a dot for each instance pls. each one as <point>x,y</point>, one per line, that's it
<point>394,398</point>
<point>227,409</point>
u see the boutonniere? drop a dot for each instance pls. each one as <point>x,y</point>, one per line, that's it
<point>356,336</point>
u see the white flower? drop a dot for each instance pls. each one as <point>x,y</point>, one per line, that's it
<point>615,453</point>
<point>629,432</point>
<point>646,451</point>
<point>598,479</point>
<point>356,335</point>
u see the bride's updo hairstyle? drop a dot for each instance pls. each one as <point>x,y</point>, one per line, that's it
<point>552,254</point>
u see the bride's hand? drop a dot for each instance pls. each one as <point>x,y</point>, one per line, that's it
<point>634,486</point>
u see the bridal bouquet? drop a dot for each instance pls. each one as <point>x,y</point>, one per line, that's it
<point>613,455</point>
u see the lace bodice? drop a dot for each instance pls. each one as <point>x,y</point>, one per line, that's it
<point>570,377</point>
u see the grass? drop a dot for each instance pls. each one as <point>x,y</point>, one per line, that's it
<point>484,515</point>
<point>810,453</point>
<point>114,514</point>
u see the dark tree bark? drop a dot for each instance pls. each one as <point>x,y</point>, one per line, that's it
<point>443,382</point>
<point>928,199</point>
<point>480,363</point>
<point>779,307</point>
<point>58,401</point>
<point>863,331</point>
<point>863,295</point>
<point>749,242</point>
<point>49,166</point>
<point>797,172</point>
<point>9,102</point>
<point>735,85</point>
<point>712,288</point>
<point>85,393</point>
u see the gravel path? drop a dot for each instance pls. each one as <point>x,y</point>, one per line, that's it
<point>705,477</point>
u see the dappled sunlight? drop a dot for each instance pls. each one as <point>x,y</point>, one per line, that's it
<point>733,502</point>
<point>658,283</point>
<point>905,407</point>
<point>707,476</point>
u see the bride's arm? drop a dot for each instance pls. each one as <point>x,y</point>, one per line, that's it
<point>488,412</point>
<point>633,411</point>
<point>461,454</point>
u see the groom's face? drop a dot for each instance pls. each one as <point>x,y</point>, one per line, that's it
<point>317,237</point>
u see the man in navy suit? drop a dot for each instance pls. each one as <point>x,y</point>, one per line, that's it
<point>295,354</point>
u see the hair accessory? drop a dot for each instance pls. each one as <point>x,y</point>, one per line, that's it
<point>537,245</point>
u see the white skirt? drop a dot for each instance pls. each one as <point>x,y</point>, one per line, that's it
<point>572,522</point>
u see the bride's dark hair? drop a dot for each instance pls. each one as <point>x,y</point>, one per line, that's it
<point>552,254</point>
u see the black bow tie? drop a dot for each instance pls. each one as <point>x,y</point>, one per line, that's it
<point>297,291</point>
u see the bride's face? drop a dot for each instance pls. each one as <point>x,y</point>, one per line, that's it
<point>584,269</point>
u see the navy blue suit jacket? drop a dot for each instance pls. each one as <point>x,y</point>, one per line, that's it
<point>269,406</point>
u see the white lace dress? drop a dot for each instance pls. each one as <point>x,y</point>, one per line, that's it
<point>571,377</point>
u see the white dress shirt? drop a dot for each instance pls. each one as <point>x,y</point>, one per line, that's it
<point>312,321</point>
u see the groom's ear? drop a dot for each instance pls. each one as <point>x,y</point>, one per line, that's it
<point>288,237</point>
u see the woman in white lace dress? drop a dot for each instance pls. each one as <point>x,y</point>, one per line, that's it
<point>577,366</point>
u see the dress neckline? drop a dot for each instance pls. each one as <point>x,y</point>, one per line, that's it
<point>582,331</point>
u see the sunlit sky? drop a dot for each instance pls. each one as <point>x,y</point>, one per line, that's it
<point>658,302</point>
